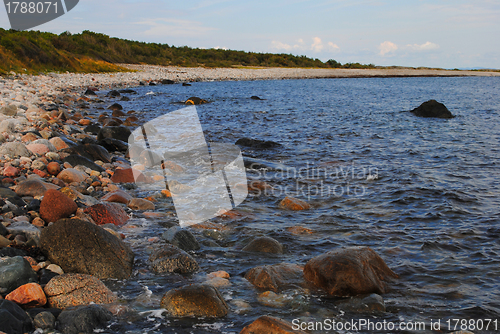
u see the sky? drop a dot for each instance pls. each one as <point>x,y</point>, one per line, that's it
<point>439,33</point>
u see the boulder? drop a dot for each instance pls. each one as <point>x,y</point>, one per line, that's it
<point>271,325</point>
<point>68,290</point>
<point>11,196</point>
<point>117,132</point>
<point>181,238</point>
<point>432,108</point>
<point>70,175</point>
<point>60,143</point>
<point>113,93</point>
<point>75,160</point>
<point>349,271</point>
<point>33,188</point>
<point>276,277</point>
<point>115,106</point>
<point>83,319</point>
<point>140,204</point>
<point>78,246</point>
<point>13,319</point>
<point>264,245</point>
<point>14,272</point>
<point>56,205</point>
<point>167,82</point>
<point>9,110</point>
<point>193,100</point>
<point>15,148</point>
<point>10,171</point>
<point>28,295</point>
<point>117,196</point>
<point>127,175</point>
<point>257,143</point>
<point>107,213</point>
<point>114,145</point>
<point>170,259</point>
<point>39,149</point>
<point>92,152</point>
<point>195,300</point>
<point>294,204</point>
<point>44,320</point>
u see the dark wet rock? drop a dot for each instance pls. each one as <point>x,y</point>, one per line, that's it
<point>11,196</point>
<point>107,213</point>
<point>75,160</point>
<point>79,246</point>
<point>152,83</point>
<point>264,245</point>
<point>195,300</point>
<point>114,145</point>
<point>432,108</point>
<point>92,128</point>
<point>89,92</point>
<point>113,93</point>
<point>12,252</point>
<point>14,272</point>
<point>252,163</point>
<point>167,82</point>
<point>15,148</point>
<point>44,320</point>
<point>271,325</point>
<point>91,152</point>
<point>127,91</point>
<point>349,271</point>
<point>77,289</point>
<point>186,84</point>
<point>193,100</point>
<point>118,112</point>
<point>125,98</point>
<point>254,97</point>
<point>29,231</point>
<point>257,143</point>
<point>181,238</point>
<point>115,106</point>
<point>364,304</point>
<point>171,259</point>
<point>45,276</point>
<point>56,205</point>
<point>117,132</point>
<point>276,277</point>
<point>13,319</point>
<point>83,319</point>
<point>3,230</point>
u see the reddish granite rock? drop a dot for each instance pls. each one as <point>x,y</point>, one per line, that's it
<point>276,277</point>
<point>77,289</point>
<point>54,168</point>
<point>58,143</point>
<point>55,205</point>
<point>30,136</point>
<point>107,213</point>
<point>40,173</point>
<point>349,271</point>
<point>127,176</point>
<point>70,175</point>
<point>10,171</point>
<point>28,295</point>
<point>294,204</point>
<point>270,325</point>
<point>39,149</point>
<point>118,196</point>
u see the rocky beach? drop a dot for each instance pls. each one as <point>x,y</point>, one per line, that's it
<point>67,197</point>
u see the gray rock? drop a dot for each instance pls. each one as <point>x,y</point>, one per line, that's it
<point>83,319</point>
<point>13,319</point>
<point>15,149</point>
<point>170,259</point>
<point>10,110</point>
<point>26,229</point>
<point>46,143</point>
<point>14,272</point>
<point>44,320</point>
<point>181,238</point>
<point>7,126</point>
<point>75,160</point>
<point>79,246</point>
<point>264,245</point>
<point>3,230</point>
<point>117,132</point>
<point>11,196</point>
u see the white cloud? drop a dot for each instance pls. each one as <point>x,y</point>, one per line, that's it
<point>333,46</point>
<point>317,45</point>
<point>387,47</point>
<point>173,27</point>
<point>423,47</point>
<point>280,46</point>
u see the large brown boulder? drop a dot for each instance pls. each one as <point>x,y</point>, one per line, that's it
<point>276,277</point>
<point>195,300</point>
<point>349,271</point>
<point>67,290</point>
<point>79,246</point>
<point>270,325</point>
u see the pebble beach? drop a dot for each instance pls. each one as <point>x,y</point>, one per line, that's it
<point>64,176</point>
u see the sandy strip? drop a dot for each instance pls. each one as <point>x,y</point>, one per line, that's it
<point>33,89</point>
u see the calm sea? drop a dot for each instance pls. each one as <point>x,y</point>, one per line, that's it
<point>423,193</point>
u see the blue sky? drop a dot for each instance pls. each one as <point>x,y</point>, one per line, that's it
<point>440,33</point>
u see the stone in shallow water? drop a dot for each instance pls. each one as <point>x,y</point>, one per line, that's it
<point>363,304</point>
<point>195,300</point>
<point>276,277</point>
<point>294,204</point>
<point>432,108</point>
<point>267,324</point>
<point>264,245</point>
<point>181,238</point>
<point>140,204</point>
<point>83,319</point>
<point>170,259</point>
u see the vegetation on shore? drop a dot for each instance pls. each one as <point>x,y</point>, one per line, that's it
<point>35,51</point>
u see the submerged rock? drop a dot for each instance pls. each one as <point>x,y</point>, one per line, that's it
<point>294,204</point>
<point>364,304</point>
<point>264,245</point>
<point>257,143</point>
<point>349,271</point>
<point>181,238</point>
<point>267,324</point>
<point>432,108</point>
<point>78,246</point>
<point>83,319</point>
<point>195,300</point>
<point>276,277</point>
<point>170,259</point>
<point>117,132</point>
